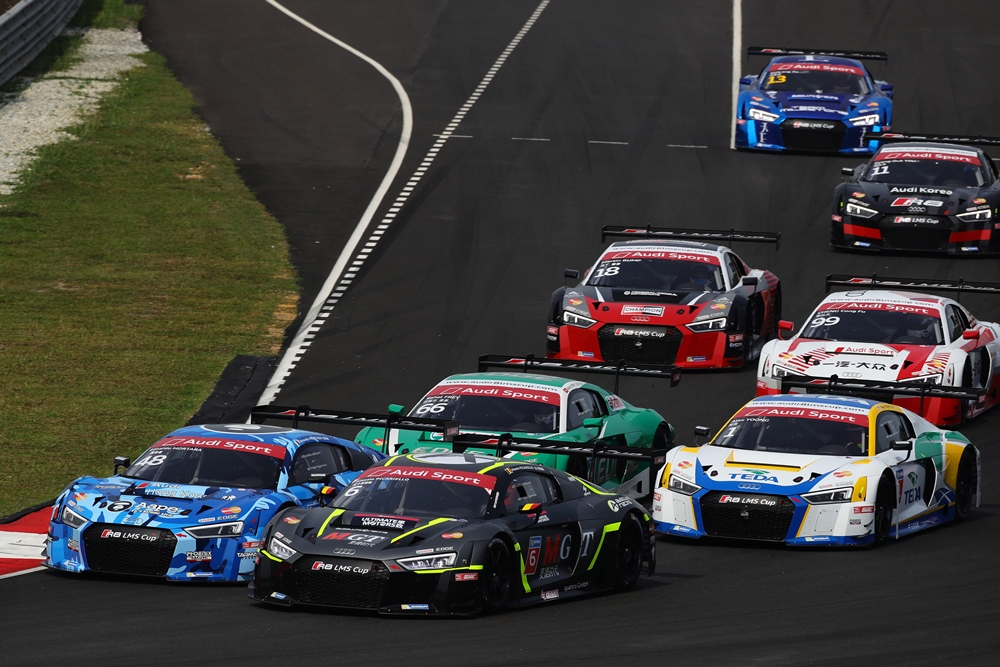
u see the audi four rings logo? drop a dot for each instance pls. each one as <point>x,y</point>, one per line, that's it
<point>748,487</point>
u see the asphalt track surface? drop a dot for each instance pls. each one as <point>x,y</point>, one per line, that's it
<point>468,266</point>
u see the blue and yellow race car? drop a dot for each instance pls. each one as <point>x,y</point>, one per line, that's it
<point>192,507</point>
<point>817,101</point>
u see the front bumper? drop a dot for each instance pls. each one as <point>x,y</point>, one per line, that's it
<point>814,135</point>
<point>677,347</point>
<point>766,517</point>
<point>914,233</point>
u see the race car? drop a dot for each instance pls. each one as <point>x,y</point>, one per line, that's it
<point>920,196</point>
<point>488,405</point>
<point>822,470</point>
<point>662,298</point>
<point>439,534</point>
<point>806,100</point>
<point>192,507</point>
<point>896,338</point>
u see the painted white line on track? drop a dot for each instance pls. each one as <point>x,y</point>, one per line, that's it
<point>685,146</point>
<point>335,286</point>
<point>610,143</point>
<point>528,139</point>
<point>18,574</point>
<point>737,60</point>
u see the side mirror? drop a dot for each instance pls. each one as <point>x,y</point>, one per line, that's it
<point>572,273</point>
<point>786,325</point>
<point>749,281</point>
<point>970,334</point>
<point>901,445</point>
<point>396,410</point>
<point>885,88</point>
<point>593,422</point>
<point>746,80</point>
<point>846,171</point>
<point>703,431</point>
<point>121,462</point>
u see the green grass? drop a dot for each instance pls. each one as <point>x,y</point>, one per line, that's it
<point>134,264</point>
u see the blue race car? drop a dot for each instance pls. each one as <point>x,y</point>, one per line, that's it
<point>817,101</point>
<point>192,507</point>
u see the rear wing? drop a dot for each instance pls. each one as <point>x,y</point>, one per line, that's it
<point>835,53</point>
<point>680,234</point>
<point>888,137</point>
<point>508,444</point>
<point>393,420</point>
<point>877,388</point>
<point>874,281</point>
<point>529,362</point>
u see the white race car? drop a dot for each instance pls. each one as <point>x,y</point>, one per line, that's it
<point>895,338</point>
<point>823,470</point>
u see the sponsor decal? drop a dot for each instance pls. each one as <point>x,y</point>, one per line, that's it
<point>341,551</point>
<point>699,358</point>
<point>918,190</point>
<point>689,256</point>
<point>291,519</point>
<point>837,218</point>
<point>453,536</point>
<point>914,220</point>
<point>550,595</point>
<point>859,195</point>
<point>466,576</point>
<point>865,509</point>
<point>615,403</point>
<point>153,508</point>
<point>415,607</point>
<point>573,301</point>
<point>340,567</point>
<point>842,473</point>
<point>657,496</point>
<point>73,545</point>
<point>575,587</point>
<point>684,465</point>
<point>250,544</point>
<point>655,311</point>
<point>854,306</point>
<point>639,333</point>
<point>134,534</point>
<point>278,596</point>
<point>947,155</point>
<point>913,495</point>
<point>978,200</point>
<point>586,355</point>
<point>198,556</point>
<point>534,549</point>
<point>718,306</point>
<point>523,392</point>
<point>619,503</point>
<point>814,66</point>
<point>914,201</point>
<point>232,510</point>
<point>486,482</point>
<point>752,475</point>
<point>381,521</point>
<point>274,451</point>
<point>549,572</point>
<point>249,555</point>
<point>748,500</point>
<point>838,414</point>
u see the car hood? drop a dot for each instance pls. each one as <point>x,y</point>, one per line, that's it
<point>646,307</point>
<point>726,469</point>
<point>125,501</point>
<point>865,361</point>
<point>900,198</point>
<point>819,105</point>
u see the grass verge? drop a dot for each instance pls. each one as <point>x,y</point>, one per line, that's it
<point>134,264</point>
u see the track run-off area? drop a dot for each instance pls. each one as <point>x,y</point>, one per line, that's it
<point>524,126</point>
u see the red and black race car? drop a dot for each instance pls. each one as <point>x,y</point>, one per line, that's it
<point>931,194</point>
<point>664,298</point>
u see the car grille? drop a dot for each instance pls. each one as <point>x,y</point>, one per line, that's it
<point>128,549</point>
<point>810,138</point>
<point>657,345</point>
<point>749,516</point>
<point>915,238</point>
<point>339,589</point>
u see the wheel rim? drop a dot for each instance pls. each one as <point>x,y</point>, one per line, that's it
<point>497,576</point>
<point>630,553</point>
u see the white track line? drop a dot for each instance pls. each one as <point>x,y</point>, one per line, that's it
<point>737,61</point>
<point>18,574</point>
<point>684,146</point>
<point>336,284</point>
<point>610,143</point>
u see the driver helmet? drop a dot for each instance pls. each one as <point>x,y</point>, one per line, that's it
<point>702,275</point>
<point>545,418</point>
<point>921,327</point>
<point>841,83</point>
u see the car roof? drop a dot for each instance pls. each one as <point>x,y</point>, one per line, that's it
<point>886,296</point>
<point>265,433</point>
<point>476,462</point>
<point>664,244</point>
<point>928,145</point>
<point>819,400</point>
<point>545,382</point>
<point>828,60</point>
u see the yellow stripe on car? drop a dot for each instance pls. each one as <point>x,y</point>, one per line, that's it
<point>610,528</point>
<point>433,522</point>
<point>860,490</point>
<point>333,514</point>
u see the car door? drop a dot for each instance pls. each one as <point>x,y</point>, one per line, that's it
<point>549,534</point>
<point>915,477</point>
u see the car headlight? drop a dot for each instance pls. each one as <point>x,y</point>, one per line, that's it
<point>975,216</point>
<point>759,114</point>
<point>435,562</point>
<point>682,486</point>
<point>861,121</point>
<point>280,550</point>
<point>71,518</point>
<point>714,324</point>
<point>575,320</point>
<point>780,371</point>
<point>828,497</point>
<point>860,211</point>
<point>933,378</point>
<point>231,529</point>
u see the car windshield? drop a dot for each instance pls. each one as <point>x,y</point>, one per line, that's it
<point>534,412</point>
<point>816,81</point>
<point>208,466</point>
<point>420,491</point>
<point>795,435</point>
<point>876,324</point>
<point>926,167</point>
<point>679,275</point>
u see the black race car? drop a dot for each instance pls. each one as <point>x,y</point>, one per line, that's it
<point>454,533</point>
<point>920,196</point>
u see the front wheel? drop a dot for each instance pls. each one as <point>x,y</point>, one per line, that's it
<point>965,485</point>
<point>628,557</point>
<point>884,503</point>
<point>498,576</point>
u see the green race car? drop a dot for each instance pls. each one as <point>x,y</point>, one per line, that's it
<point>539,408</point>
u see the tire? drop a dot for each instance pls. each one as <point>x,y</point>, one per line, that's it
<point>661,439</point>
<point>884,504</point>
<point>748,319</point>
<point>577,466</point>
<point>965,485</point>
<point>497,577</point>
<point>628,553</point>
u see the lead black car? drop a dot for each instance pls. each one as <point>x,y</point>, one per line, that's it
<point>454,534</point>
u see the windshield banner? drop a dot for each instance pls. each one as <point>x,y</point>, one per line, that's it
<point>486,482</point>
<point>839,413</point>
<point>216,443</point>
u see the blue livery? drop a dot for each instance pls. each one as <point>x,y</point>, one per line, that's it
<point>192,507</point>
<point>812,103</point>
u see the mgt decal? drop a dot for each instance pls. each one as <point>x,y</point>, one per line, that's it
<point>355,538</point>
<point>588,537</point>
<point>619,503</point>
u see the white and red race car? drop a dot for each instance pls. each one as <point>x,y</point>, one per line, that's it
<point>893,339</point>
